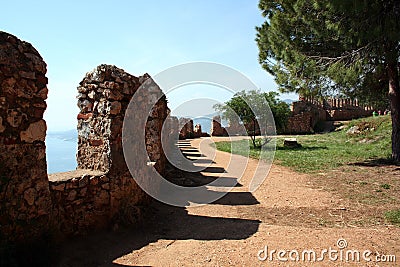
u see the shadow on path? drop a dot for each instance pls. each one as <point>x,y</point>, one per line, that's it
<point>163,222</point>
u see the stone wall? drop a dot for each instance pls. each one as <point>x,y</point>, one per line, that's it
<point>216,127</point>
<point>81,200</point>
<point>197,131</point>
<point>307,112</point>
<point>318,113</point>
<point>102,191</point>
<point>170,134</point>
<point>348,114</point>
<point>186,128</point>
<point>24,189</point>
<point>300,123</point>
<point>305,116</point>
<point>235,128</point>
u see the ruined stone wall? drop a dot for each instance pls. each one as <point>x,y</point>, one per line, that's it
<point>235,128</point>
<point>216,127</point>
<point>102,192</point>
<point>186,128</point>
<point>305,115</point>
<point>197,131</point>
<point>84,200</point>
<point>104,95</point>
<point>81,201</point>
<point>170,134</point>
<point>24,189</point>
<point>308,112</point>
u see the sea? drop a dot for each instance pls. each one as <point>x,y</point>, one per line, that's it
<point>61,147</point>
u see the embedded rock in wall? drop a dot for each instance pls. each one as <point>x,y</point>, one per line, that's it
<point>24,190</point>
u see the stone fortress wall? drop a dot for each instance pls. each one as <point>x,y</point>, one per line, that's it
<point>307,112</point>
<point>25,202</point>
<point>101,192</point>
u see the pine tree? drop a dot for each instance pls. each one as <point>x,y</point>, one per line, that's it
<point>333,46</point>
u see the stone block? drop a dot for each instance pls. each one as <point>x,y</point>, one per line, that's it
<point>35,132</point>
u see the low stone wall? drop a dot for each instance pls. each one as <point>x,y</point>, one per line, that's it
<point>81,200</point>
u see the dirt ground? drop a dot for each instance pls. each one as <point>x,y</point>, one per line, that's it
<point>293,213</point>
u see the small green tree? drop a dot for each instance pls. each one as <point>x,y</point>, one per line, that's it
<point>251,106</point>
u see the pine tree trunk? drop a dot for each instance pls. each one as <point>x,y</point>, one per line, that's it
<point>394,97</point>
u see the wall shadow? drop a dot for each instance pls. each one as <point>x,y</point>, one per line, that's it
<point>164,222</point>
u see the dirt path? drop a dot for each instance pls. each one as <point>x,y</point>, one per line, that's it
<point>285,213</point>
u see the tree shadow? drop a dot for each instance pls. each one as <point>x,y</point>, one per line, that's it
<point>378,162</point>
<point>303,148</point>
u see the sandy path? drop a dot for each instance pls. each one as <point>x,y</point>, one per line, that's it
<point>285,213</point>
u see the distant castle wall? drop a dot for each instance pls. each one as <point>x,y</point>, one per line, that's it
<point>307,112</point>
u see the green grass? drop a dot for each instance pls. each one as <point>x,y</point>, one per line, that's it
<point>393,216</point>
<point>386,186</point>
<point>322,152</point>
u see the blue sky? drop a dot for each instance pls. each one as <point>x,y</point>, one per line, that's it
<point>74,37</point>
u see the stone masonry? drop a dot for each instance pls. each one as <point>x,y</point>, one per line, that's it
<point>216,127</point>
<point>186,128</point>
<point>25,204</point>
<point>101,192</point>
<point>307,112</point>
